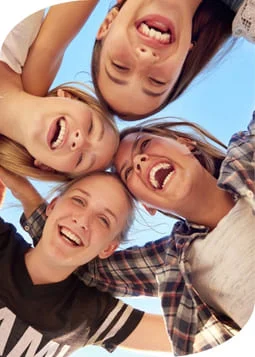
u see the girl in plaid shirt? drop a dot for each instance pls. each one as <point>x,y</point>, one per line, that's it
<point>191,270</point>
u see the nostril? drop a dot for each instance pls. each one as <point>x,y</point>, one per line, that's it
<point>143,159</point>
<point>138,166</point>
<point>73,145</point>
<point>77,134</point>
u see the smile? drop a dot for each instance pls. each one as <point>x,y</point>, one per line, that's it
<point>70,237</point>
<point>160,174</point>
<point>59,134</point>
<point>157,29</point>
<point>154,33</point>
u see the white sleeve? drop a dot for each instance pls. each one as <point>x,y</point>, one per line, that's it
<point>16,45</point>
<point>244,21</point>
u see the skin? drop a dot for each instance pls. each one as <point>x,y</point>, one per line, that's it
<point>88,211</point>
<point>89,142</point>
<point>190,192</point>
<point>139,68</point>
<point>54,258</point>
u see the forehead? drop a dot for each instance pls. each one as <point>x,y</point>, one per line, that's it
<point>101,186</point>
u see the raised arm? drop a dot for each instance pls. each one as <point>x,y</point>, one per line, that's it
<point>149,335</point>
<point>61,25</point>
<point>22,189</point>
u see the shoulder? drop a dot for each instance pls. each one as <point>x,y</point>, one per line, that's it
<point>9,236</point>
<point>16,45</point>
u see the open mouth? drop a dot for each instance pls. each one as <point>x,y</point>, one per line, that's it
<point>156,28</point>
<point>59,134</point>
<point>70,237</point>
<point>160,174</point>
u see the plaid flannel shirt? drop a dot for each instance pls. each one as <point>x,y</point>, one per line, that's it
<point>160,268</point>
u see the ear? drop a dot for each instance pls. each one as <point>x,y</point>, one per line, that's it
<point>191,144</point>
<point>64,94</point>
<point>106,24</point>
<point>150,210</point>
<point>109,249</point>
<point>51,206</point>
<point>43,167</point>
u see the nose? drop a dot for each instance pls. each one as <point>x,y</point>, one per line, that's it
<point>146,55</point>
<point>76,140</point>
<point>139,161</point>
<point>81,222</point>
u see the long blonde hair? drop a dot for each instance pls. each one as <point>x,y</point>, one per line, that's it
<point>15,158</point>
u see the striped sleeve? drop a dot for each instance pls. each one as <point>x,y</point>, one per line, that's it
<point>117,326</point>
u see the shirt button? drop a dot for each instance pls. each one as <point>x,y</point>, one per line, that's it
<point>26,228</point>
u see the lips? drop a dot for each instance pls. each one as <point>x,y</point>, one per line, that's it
<point>156,29</point>
<point>57,133</point>
<point>70,237</point>
<point>160,174</point>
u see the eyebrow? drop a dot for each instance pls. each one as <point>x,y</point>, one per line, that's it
<point>134,146</point>
<point>106,209</point>
<point>123,82</point>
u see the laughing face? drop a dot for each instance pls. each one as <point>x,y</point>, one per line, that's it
<point>67,135</point>
<point>161,172</point>
<point>144,48</point>
<point>85,221</point>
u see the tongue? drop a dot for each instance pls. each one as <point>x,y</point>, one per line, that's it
<point>157,26</point>
<point>160,176</point>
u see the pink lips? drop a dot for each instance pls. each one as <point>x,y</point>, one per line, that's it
<point>159,22</point>
<point>52,132</point>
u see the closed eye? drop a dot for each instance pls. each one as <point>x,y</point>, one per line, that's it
<point>79,201</point>
<point>79,160</point>
<point>127,172</point>
<point>105,221</point>
<point>144,144</point>
<point>91,126</point>
<point>157,81</point>
<point>120,67</point>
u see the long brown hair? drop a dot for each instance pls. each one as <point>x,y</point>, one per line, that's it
<point>212,25</point>
<point>209,151</point>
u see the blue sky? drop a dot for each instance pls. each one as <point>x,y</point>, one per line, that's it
<point>222,100</point>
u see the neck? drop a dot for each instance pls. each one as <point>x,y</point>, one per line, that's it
<point>42,270</point>
<point>210,203</point>
<point>194,6</point>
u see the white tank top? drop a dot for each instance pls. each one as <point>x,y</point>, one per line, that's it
<point>223,264</point>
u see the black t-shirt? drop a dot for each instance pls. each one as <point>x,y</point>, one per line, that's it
<point>54,319</point>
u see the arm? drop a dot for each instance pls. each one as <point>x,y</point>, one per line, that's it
<point>61,25</point>
<point>22,189</point>
<point>129,272</point>
<point>2,192</point>
<point>149,335</point>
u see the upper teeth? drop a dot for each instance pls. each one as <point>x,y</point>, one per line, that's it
<point>61,134</point>
<point>70,235</point>
<point>155,34</point>
<point>153,172</point>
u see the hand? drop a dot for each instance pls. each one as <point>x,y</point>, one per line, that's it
<point>21,189</point>
<point>2,192</point>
